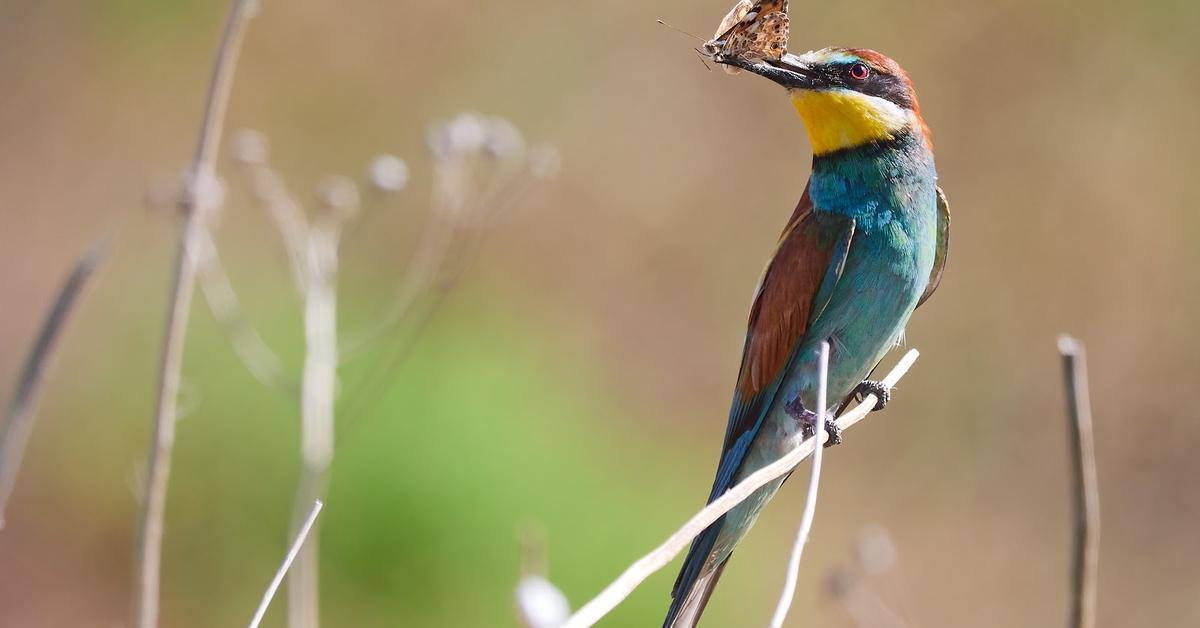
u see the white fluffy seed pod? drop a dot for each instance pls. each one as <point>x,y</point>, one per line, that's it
<point>541,604</point>
<point>467,132</point>
<point>388,173</point>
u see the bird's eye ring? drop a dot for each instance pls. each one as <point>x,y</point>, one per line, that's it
<point>859,72</point>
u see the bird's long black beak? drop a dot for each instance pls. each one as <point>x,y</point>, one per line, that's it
<point>789,71</point>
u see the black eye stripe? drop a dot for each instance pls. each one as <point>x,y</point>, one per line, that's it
<point>886,86</point>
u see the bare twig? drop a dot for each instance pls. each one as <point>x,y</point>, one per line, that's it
<point>287,562</point>
<point>810,501</point>
<point>625,584</point>
<point>198,196</point>
<point>22,407</point>
<point>1086,538</point>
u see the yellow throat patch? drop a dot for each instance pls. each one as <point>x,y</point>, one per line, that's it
<point>838,119</point>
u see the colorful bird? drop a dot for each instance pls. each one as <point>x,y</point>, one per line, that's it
<point>865,246</point>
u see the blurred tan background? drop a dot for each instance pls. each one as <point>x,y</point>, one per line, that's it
<point>579,376</point>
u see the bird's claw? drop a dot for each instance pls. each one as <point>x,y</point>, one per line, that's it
<point>808,422</point>
<point>834,432</point>
<point>868,387</point>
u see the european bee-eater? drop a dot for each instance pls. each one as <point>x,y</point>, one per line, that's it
<point>864,247</point>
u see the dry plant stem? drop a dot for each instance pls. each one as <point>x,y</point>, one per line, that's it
<point>1086,538</point>
<point>288,216</point>
<point>446,248</point>
<point>317,413</point>
<point>22,407</point>
<point>810,501</point>
<point>193,202</point>
<point>287,562</point>
<point>449,207</point>
<point>421,273</point>
<point>426,282</point>
<point>259,359</point>
<point>625,584</point>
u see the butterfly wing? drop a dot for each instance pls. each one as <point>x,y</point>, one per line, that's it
<point>753,30</point>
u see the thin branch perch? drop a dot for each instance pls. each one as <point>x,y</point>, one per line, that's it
<point>287,562</point>
<point>200,194</point>
<point>614,593</point>
<point>810,501</point>
<point>1085,553</point>
<point>22,407</point>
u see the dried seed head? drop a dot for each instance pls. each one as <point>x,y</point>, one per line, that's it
<point>250,147</point>
<point>388,173</point>
<point>201,192</point>
<point>467,132</point>
<point>503,139</point>
<point>339,196</point>
<point>876,551</point>
<point>540,603</point>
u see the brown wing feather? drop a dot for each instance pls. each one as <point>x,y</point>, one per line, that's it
<point>783,304</point>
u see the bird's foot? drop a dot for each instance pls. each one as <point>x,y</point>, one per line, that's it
<point>808,422</point>
<point>883,393</point>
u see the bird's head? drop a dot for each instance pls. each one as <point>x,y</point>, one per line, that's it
<point>847,97</point>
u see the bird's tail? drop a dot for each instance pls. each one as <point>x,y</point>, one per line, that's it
<point>704,564</point>
<point>696,580</point>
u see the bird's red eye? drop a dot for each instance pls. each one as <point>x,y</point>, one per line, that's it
<point>859,72</point>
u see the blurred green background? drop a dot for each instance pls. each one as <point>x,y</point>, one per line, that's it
<point>579,375</point>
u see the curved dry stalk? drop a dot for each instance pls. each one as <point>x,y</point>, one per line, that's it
<point>810,501</point>
<point>471,186</point>
<point>197,197</point>
<point>447,247</point>
<point>285,212</point>
<point>453,203</point>
<point>421,273</point>
<point>301,535</point>
<point>1085,487</point>
<point>22,407</point>
<point>263,363</point>
<point>614,593</point>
